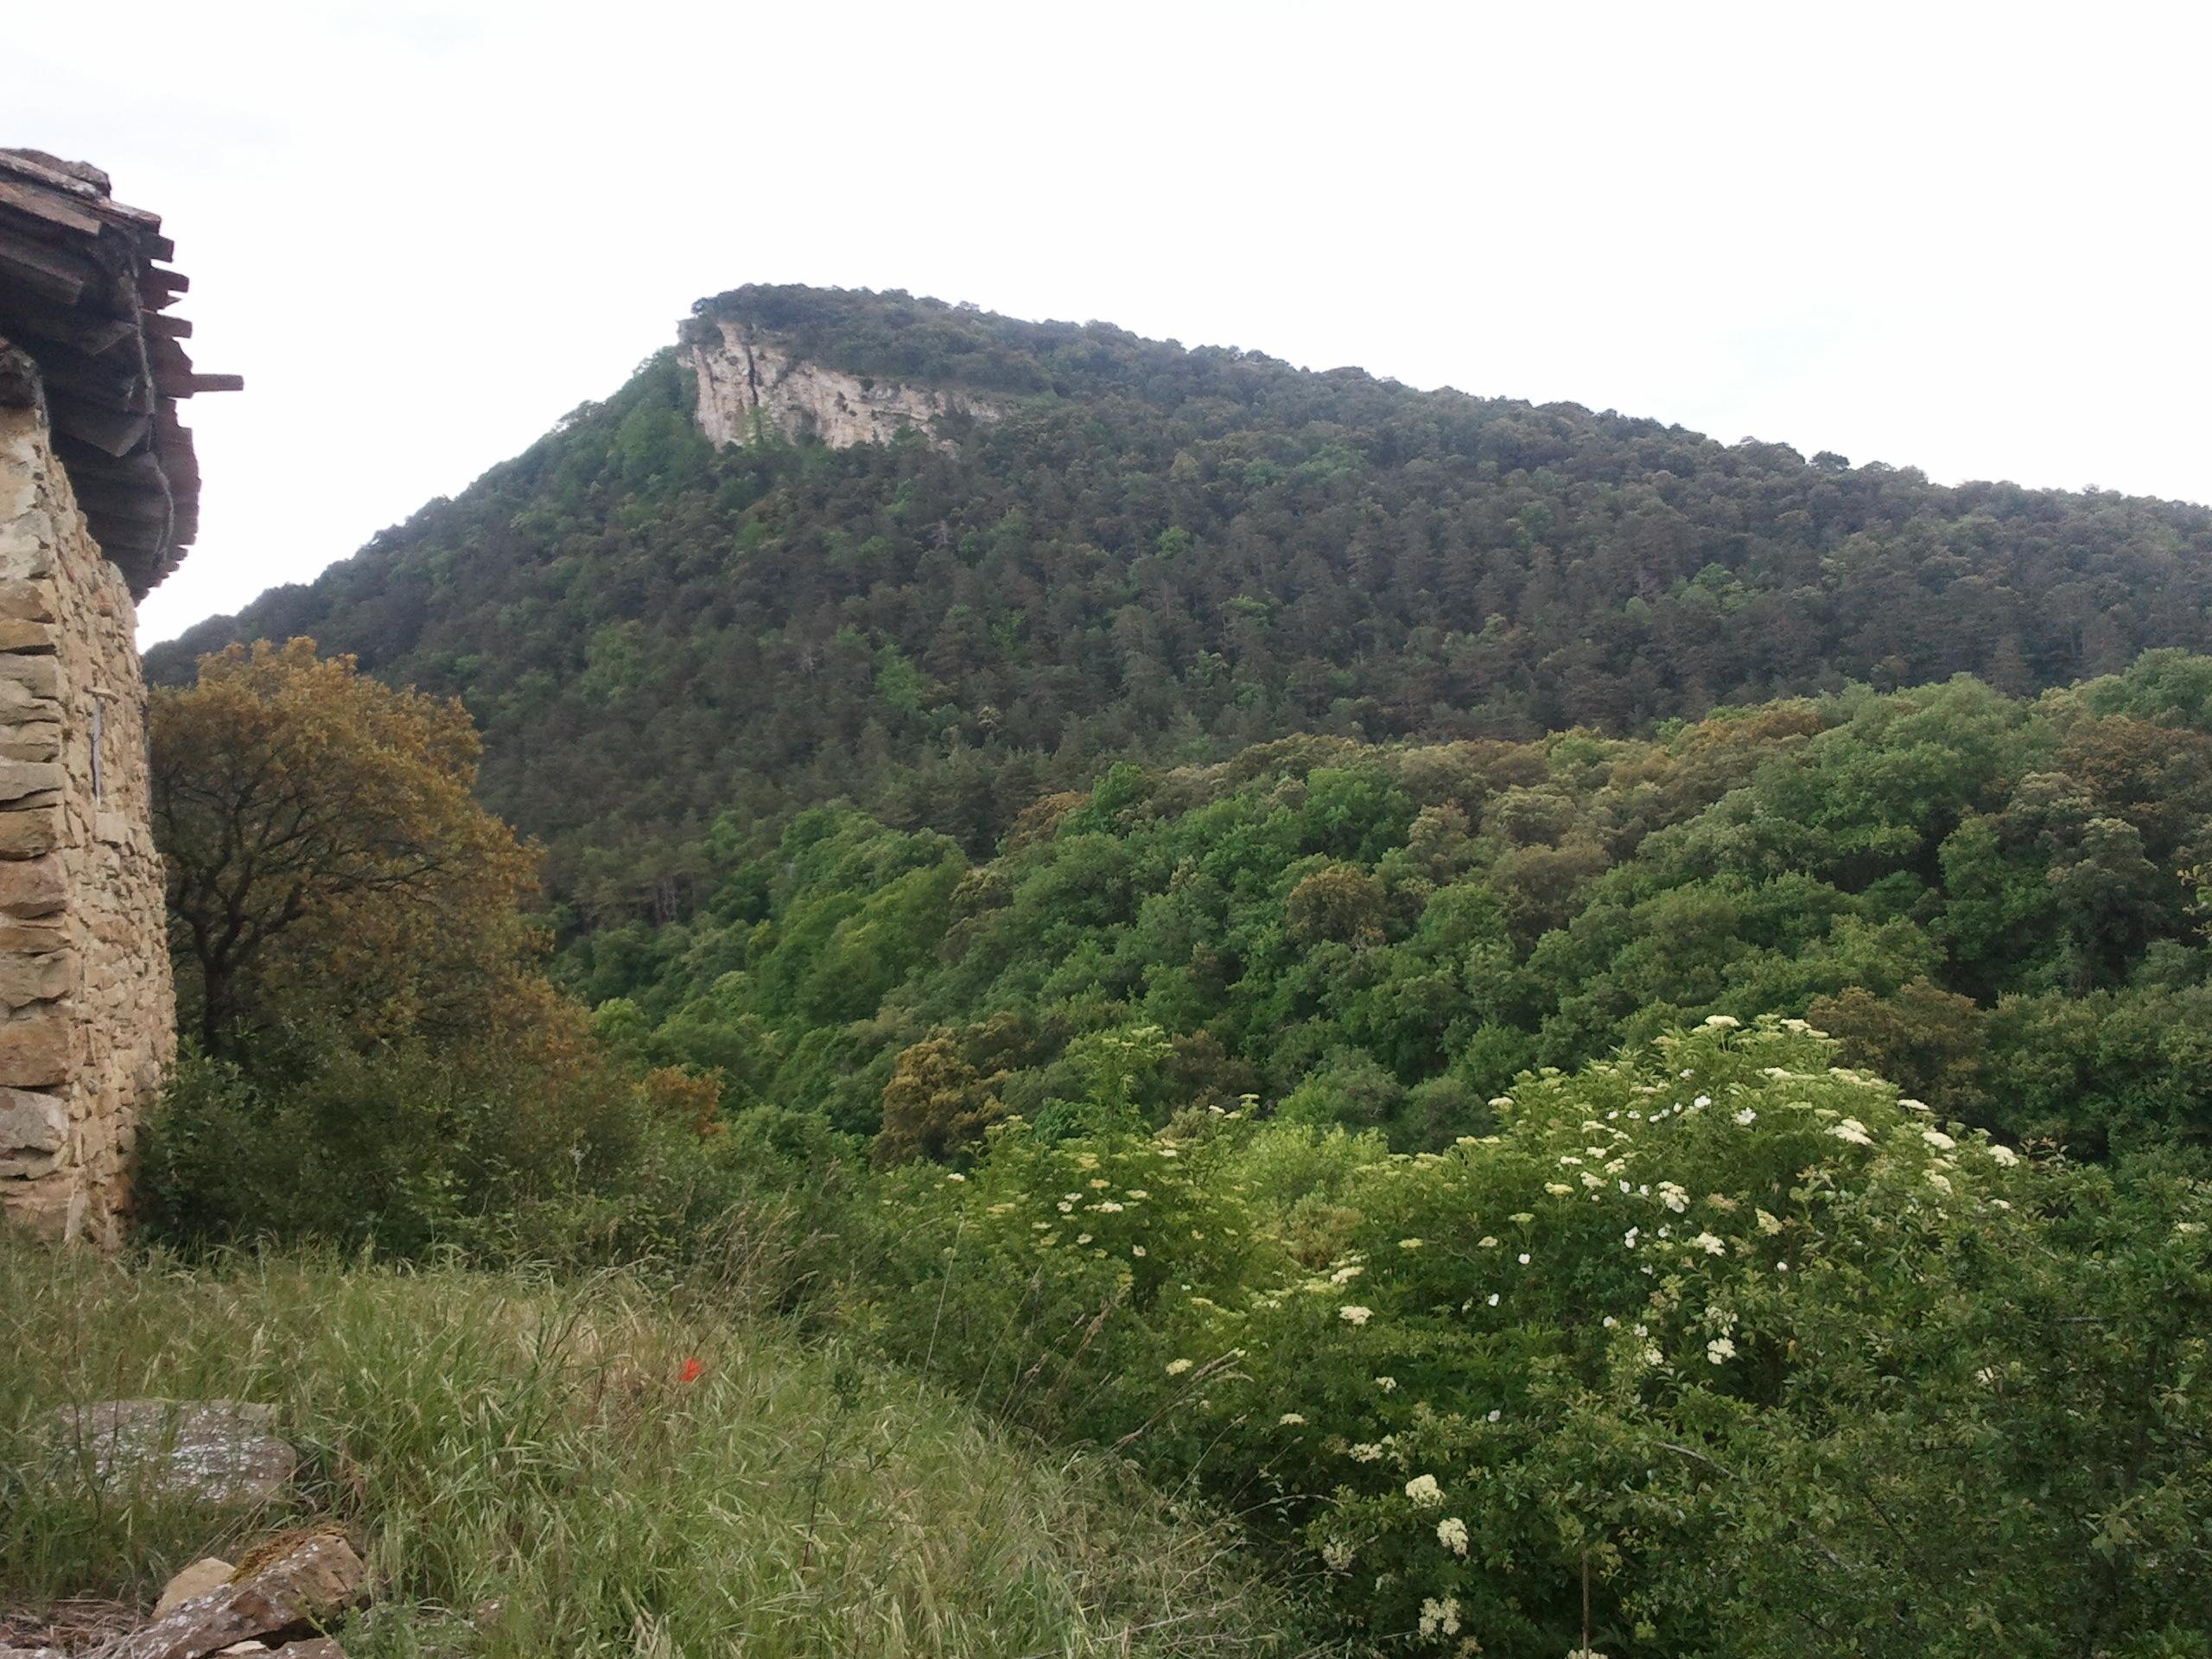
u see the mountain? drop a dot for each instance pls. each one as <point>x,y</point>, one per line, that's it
<point>940,564</point>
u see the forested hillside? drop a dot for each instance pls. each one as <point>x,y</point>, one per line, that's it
<point>1993,901</point>
<point>1166,555</point>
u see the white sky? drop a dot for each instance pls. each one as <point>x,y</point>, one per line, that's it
<point>1970,238</point>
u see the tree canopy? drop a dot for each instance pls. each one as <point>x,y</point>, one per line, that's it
<point>325,849</point>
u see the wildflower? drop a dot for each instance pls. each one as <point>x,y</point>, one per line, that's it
<point>1609,1321</point>
<point>1351,1313</point>
<point>1939,1180</point>
<point>1722,1022</point>
<point>1938,1140</point>
<point>2004,1156</point>
<point>1367,1451</point>
<point>1558,1189</point>
<point>1345,1275</point>
<point>1747,1117</point>
<point>1083,1238</point>
<point>2188,1227</point>
<point>1388,1384</point>
<point>1136,1250</point>
<point>955,1178</point>
<point>1852,1130</point>
<point>1440,1617</point>
<point>1495,1414</point>
<point>1138,1193</point>
<point>1167,1152</point>
<point>1595,1183</point>
<point>1701,1102</point>
<point>1768,1224</point>
<point>1336,1555</point>
<point>1910,1104</point>
<point>1986,1376</point>
<point>1177,1367</point>
<point>1522,1217</point>
<point>1290,1419</point>
<point>1493,1298</point>
<point>1524,1258</point>
<point>1675,1196</point>
<point>692,1371</point>
<point>1452,1532</point>
<point>1709,1244</point>
<point>1040,1226</point>
<point>1629,1237</point>
<point>1486,1242</point>
<point>1106,1207</point>
<point>1424,1492</point>
<point>1652,1356</point>
<point>1409,1243</point>
<point>1720,1351</point>
<point>1100,1184</point>
<point>1064,1207</point>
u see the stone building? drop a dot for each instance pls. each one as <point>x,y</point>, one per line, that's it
<point>98,499</point>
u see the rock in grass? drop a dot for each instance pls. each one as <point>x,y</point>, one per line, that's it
<point>208,1573</point>
<point>288,1594</point>
<point>217,1452</point>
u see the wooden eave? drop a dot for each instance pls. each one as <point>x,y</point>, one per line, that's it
<point>85,294</point>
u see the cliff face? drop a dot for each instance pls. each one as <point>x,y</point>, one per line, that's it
<point>746,374</point>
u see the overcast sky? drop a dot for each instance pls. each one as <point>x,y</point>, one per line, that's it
<point>1968,238</point>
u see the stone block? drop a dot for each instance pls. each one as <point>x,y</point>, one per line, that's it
<point>30,1122</point>
<point>25,979</point>
<point>35,1049</point>
<point>24,779</point>
<point>28,833</point>
<point>17,935</point>
<point>39,676</point>
<point>33,886</point>
<point>27,602</point>
<point>26,546</point>
<point>28,1166</point>
<point>36,740</point>
<point>18,634</point>
<point>51,1211</point>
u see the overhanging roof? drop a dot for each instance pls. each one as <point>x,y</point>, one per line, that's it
<point>84,293</point>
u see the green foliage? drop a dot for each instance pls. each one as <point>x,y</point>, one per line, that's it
<point>1753,1353</point>
<point>1985,897</point>
<point>405,1150</point>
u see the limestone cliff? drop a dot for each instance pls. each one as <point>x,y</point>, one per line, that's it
<point>746,375</point>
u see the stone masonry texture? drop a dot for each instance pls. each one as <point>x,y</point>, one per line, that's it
<point>87,1014</point>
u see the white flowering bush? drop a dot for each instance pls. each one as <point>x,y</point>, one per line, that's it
<point>1054,1276</point>
<point>1780,1362</point>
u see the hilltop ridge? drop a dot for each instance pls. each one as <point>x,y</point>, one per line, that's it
<point>1045,546</point>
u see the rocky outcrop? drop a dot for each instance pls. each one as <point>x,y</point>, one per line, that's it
<point>87,1015</point>
<point>278,1603</point>
<point>748,382</point>
<point>216,1452</point>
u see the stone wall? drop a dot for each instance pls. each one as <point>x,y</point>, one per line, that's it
<point>87,1014</point>
<point>748,377</point>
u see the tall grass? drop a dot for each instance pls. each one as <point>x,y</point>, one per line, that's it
<point>531,1473</point>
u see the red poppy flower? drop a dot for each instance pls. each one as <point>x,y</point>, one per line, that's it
<point>693,1371</point>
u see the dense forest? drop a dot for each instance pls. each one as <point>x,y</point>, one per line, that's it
<point>1166,555</point>
<point>1993,901</point>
